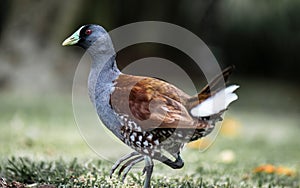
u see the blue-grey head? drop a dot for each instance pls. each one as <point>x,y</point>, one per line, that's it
<point>87,35</point>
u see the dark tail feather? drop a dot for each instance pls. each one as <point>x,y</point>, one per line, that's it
<point>211,88</point>
<point>217,83</point>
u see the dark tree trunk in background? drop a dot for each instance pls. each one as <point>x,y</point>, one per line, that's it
<point>261,42</point>
<point>31,40</point>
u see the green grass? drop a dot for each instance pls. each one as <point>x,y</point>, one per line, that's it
<point>40,144</point>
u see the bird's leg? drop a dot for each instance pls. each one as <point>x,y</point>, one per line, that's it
<point>128,165</point>
<point>148,169</point>
<point>178,163</point>
<point>178,160</point>
<point>118,162</point>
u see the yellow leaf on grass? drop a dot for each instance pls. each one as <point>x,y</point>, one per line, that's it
<point>271,169</point>
<point>285,171</point>
<point>267,168</point>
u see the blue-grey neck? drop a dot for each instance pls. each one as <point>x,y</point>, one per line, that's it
<point>102,75</point>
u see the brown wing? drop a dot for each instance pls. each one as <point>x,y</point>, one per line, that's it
<point>210,89</point>
<point>152,103</point>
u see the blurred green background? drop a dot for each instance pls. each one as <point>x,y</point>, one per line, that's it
<point>260,37</point>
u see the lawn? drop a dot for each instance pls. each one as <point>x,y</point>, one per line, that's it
<point>40,144</point>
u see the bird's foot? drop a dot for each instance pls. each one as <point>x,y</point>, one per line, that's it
<point>131,160</point>
<point>128,165</point>
<point>118,162</point>
<point>125,168</point>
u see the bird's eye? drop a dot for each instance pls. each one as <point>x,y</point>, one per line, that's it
<point>88,32</point>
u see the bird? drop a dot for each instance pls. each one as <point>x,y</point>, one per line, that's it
<point>153,117</point>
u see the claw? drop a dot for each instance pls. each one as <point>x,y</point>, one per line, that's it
<point>118,162</point>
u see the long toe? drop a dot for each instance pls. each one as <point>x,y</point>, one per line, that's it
<point>128,168</point>
<point>118,162</point>
<point>128,163</point>
<point>111,172</point>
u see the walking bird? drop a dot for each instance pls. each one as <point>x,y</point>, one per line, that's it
<point>153,117</point>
